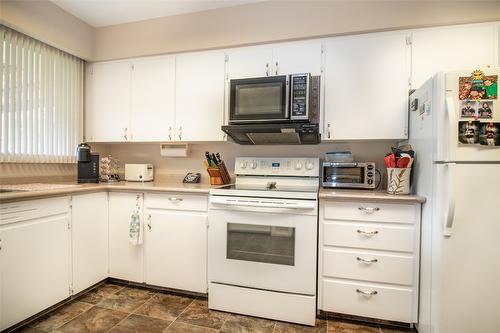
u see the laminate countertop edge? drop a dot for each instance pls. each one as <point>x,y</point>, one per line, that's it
<point>368,195</point>
<point>103,187</point>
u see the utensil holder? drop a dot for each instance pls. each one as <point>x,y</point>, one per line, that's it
<point>398,180</point>
<point>219,175</point>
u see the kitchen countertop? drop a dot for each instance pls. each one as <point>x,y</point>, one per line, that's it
<point>156,186</point>
<point>368,195</point>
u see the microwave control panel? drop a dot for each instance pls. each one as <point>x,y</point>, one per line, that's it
<point>299,96</point>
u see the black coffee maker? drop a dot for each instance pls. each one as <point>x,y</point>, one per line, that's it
<point>88,164</point>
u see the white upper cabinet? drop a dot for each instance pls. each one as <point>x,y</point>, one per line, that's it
<point>199,96</point>
<point>153,99</point>
<point>297,57</point>
<point>255,61</point>
<point>366,87</point>
<point>275,59</point>
<point>107,107</point>
<point>452,48</point>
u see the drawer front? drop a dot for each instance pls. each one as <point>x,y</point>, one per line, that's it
<point>389,303</point>
<point>369,211</point>
<point>32,209</point>
<point>366,236</point>
<point>368,266</point>
<point>176,201</point>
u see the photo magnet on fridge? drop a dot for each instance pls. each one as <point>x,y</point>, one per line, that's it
<point>485,109</point>
<point>489,134</point>
<point>478,86</point>
<point>468,132</point>
<point>468,109</point>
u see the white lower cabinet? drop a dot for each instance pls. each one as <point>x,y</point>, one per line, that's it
<point>369,259</point>
<point>89,231</point>
<point>176,241</point>
<point>34,257</point>
<point>125,259</point>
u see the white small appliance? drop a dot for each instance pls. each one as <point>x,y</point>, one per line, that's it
<point>139,172</point>
<point>263,240</point>
<point>459,266</point>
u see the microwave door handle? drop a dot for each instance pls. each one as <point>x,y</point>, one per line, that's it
<point>287,98</point>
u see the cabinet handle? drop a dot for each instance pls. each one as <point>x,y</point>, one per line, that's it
<point>367,293</point>
<point>366,261</point>
<point>174,199</point>
<point>0,244</point>
<point>369,210</point>
<point>125,134</point>
<point>267,69</point>
<point>328,132</point>
<point>170,132</point>
<point>180,132</point>
<point>367,233</point>
<point>276,68</point>
<point>149,221</point>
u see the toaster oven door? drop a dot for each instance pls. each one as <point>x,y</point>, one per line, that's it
<point>344,177</point>
<point>263,99</point>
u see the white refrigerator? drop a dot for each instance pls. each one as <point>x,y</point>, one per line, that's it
<point>460,236</point>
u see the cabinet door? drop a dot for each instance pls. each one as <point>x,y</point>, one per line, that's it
<point>366,87</point>
<point>297,57</point>
<point>199,97</point>
<point>107,107</point>
<point>35,267</point>
<point>176,250</point>
<point>255,61</point>
<point>89,229</point>
<point>452,48</point>
<point>125,259</point>
<point>153,99</point>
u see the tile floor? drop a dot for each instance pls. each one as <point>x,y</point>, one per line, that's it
<point>115,308</point>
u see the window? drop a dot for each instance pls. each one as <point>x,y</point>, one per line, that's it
<point>41,99</point>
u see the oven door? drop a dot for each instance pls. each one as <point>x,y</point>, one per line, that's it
<point>258,243</point>
<point>262,99</point>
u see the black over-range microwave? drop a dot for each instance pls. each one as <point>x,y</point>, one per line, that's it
<point>281,109</point>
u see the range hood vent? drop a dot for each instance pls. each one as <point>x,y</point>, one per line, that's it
<point>274,134</point>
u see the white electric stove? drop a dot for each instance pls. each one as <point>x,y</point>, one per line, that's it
<point>263,240</point>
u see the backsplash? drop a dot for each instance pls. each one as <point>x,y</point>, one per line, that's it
<point>150,153</point>
<point>13,173</point>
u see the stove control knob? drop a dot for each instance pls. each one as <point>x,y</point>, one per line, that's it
<point>298,165</point>
<point>309,165</point>
<point>243,164</point>
<point>253,165</point>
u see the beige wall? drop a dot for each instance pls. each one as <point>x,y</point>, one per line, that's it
<point>281,20</point>
<point>47,22</point>
<point>150,153</point>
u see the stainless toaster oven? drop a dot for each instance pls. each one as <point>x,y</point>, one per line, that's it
<point>348,175</point>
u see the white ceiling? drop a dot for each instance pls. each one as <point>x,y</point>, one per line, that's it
<point>99,13</point>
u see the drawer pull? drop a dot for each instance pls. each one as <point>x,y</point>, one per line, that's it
<point>366,261</point>
<point>369,210</point>
<point>367,293</point>
<point>174,199</point>
<point>367,233</point>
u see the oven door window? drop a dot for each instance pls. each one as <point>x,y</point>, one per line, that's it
<point>258,99</point>
<point>261,243</point>
<point>341,175</point>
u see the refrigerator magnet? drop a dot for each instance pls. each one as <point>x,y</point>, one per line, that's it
<point>468,109</point>
<point>468,132</point>
<point>489,134</point>
<point>478,86</point>
<point>485,109</point>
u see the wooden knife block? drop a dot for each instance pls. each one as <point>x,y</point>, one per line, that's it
<point>219,175</point>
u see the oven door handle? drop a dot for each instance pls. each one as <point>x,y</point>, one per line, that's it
<point>267,207</point>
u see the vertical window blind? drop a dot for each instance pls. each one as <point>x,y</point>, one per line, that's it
<point>42,101</point>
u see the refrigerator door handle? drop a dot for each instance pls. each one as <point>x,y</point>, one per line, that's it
<point>450,211</point>
<point>451,140</point>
